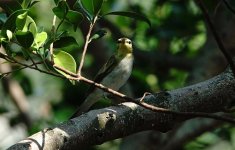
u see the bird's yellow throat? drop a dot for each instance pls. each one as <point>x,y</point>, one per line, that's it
<point>124,46</point>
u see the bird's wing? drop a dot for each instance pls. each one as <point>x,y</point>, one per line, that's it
<point>104,71</point>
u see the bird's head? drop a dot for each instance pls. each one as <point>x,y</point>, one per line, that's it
<point>124,46</point>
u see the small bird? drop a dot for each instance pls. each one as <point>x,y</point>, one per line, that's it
<point>114,74</point>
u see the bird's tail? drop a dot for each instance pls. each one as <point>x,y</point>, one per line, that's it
<point>78,112</point>
<point>89,101</point>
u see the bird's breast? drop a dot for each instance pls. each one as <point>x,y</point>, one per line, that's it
<point>120,74</point>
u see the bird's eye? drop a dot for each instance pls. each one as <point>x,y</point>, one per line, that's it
<point>129,42</point>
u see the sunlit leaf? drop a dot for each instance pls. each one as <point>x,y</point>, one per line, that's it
<point>133,15</point>
<point>24,38</point>
<point>40,39</point>
<point>64,60</point>
<point>26,3</point>
<point>30,25</point>
<point>10,24</point>
<point>26,23</point>
<point>21,20</point>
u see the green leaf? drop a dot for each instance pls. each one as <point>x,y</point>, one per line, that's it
<point>33,3</point>
<point>61,9</point>
<point>21,20</point>
<point>30,25</point>
<point>87,4</point>
<point>133,15</point>
<point>26,3</point>
<point>10,24</point>
<point>40,39</point>
<point>97,4</point>
<point>78,6</point>
<point>26,23</point>
<point>58,35</point>
<point>74,18</point>
<point>64,60</point>
<point>25,38</point>
<point>99,34</point>
<point>65,42</point>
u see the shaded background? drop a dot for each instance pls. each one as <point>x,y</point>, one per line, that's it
<point>177,50</point>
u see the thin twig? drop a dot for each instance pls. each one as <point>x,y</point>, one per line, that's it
<point>31,59</point>
<point>217,7</point>
<point>228,6</point>
<point>87,41</point>
<point>6,57</point>
<point>216,35</point>
<point>145,94</point>
<point>24,67</point>
<point>12,60</point>
<point>53,34</point>
<point>65,71</point>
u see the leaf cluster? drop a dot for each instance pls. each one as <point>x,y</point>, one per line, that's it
<point>21,36</point>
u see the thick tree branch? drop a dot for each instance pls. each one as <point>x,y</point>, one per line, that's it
<point>98,126</point>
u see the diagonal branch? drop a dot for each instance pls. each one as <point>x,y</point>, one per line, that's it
<point>12,60</point>
<point>229,6</point>
<point>141,102</point>
<point>98,126</point>
<point>216,35</point>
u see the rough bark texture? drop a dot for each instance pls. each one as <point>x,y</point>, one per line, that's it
<point>98,126</point>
